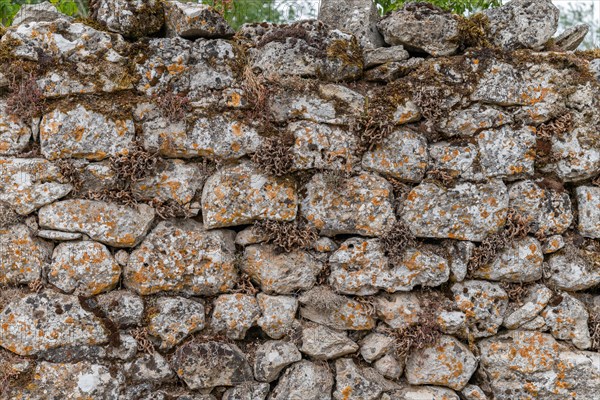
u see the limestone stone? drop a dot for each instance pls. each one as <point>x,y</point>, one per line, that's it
<point>459,255</point>
<point>304,380</point>
<point>548,210</point>
<point>448,363</point>
<point>402,155</point>
<point>249,236</point>
<point>422,393</point>
<point>535,301</point>
<point>421,28</point>
<point>375,345</point>
<point>130,18</point>
<point>29,13</point>
<point>83,268</point>
<point>174,180</point>
<point>14,133</point>
<point>470,121</point>
<point>352,384</point>
<point>452,323</point>
<point>122,307</point>
<point>210,364</point>
<point>553,244</point>
<point>30,183</point>
<point>241,194</point>
<point>193,21</point>
<point>457,159</point>
<point>322,343</point>
<point>358,17</point>
<point>360,205</point>
<point>398,310</point>
<point>22,255</point>
<point>272,357</point>
<point>507,153</point>
<point>568,320</point>
<point>384,55</point>
<point>83,133</point>
<point>47,320</point>
<point>108,223</point>
<point>149,367</point>
<point>571,38</point>
<point>247,391</point>
<point>588,203</point>
<point>280,272</point>
<point>572,269</point>
<point>432,211</point>
<point>418,267</point>
<point>521,261</point>
<point>389,367</point>
<point>234,314</point>
<point>182,256</point>
<point>58,235</point>
<point>288,104</point>
<point>325,307</point>
<point>473,392</point>
<point>174,319</point>
<point>484,303</point>
<point>278,314</point>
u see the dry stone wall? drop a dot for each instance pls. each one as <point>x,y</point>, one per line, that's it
<point>295,212</point>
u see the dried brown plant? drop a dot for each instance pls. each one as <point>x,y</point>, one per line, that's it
<point>275,156</point>
<point>287,235</point>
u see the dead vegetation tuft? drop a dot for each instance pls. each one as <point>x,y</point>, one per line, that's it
<point>134,165</point>
<point>594,328</point>
<point>8,216</point>
<point>142,337</point>
<point>245,285</point>
<point>36,285</point>
<point>258,93</point>
<point>275,156</point>
<point>14,371</point>
<point>71,173</point>
<point>26,100</point>
<point>556,127</point>
<point>323,298</point>
<point>287,235</point>
<point>396,241</point>
<point>371,128</point>
<point>174,106</point>
<point>445,177</point>
<point>335,178</point>
<point>516,291</point>
<point>171,209</point>
<point>118,196</point>
<point>516,227</point>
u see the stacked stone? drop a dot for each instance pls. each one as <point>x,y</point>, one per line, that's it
<point>400,164</point>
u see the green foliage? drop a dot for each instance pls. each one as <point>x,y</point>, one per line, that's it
<point>239,12</point>
<point>455,6</point>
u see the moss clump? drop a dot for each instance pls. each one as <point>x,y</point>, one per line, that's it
<point>474,31</point>
<point>289,236</point>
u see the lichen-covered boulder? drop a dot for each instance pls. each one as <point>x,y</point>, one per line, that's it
<point>83,268</point>
<point>182,256</point>
<point>352,383</point>
<point>536,299</point>
<point>14,133</point>
<point>573,269</point>
<point>422,28</point>
<point>48,320</point>
<point>447,362</point>
<point>130,18</point>
<point>323,306</point>
<point>484,303</point>
<point>234,314</point>
<point>507,153</point>
<point>174,318</point>
<point>124,308</point>
<point>272,357</point>
<point>111,224</point>
<point>22,255</point>
<point>467,122</point>
<point>43,12</point>
<point>418,267</point>
<point>149,367</point>
<point>375,345</point>
<point>322,343</point>
<point>588,203</point>
<point>522,24</point>
<point>278,314</point>
<point>568,320</point>
<point>433,211</point>
<point>245,391</point>
<point>27,184</point>
<point>360,205</point>
<point>241,194</point>
<point>210,364</point>
<point>304,380</point>
<point>193,21</point>
<point>358,17</point>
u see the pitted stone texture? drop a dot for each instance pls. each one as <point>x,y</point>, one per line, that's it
<point>536,299</point>
<point>29,13</point>
<point>418,267</point>
<point>553,244</point>
<point>448,362</point>
<point>322,343</point>
<point>359,267</point>
<point>27,184</point>
<point>421,28</point>
<point>48,320</point>
<point>174,180</point>
<point>280,272</point>
<point>245,391</point>
<point>573,269</point>
<point>193,21</point>
<point>588,203</point>
<point>358,17</point>
<point>568,320</point>
<point>473,392</point>
<point>436,212</point>
<point>304,380</point>
<point>111,224</point>
<point>385,55</point>
<point>149,367</point>
<point>241,194</point>
<point>548,210</point>
<point>83,268</point>
<point>174,319</point>
<point>421,393</point>
<point>470,121</point>
<point>398,310</point>
<point>522,24</point>
<point>58,235</point>
<point>521,261</point>
<point>484,304</point>
<point>507,153</point>
<point>249,236</point>
<point>278,314</point>
<point>325,307</point>
<point>320,146</point>
<point>571,38</point>
<point>352,384</point>
<point>272,357</point>
<point>402,155</point>
<point>122,307</point>
<point>392,71</point>
<point>375,345</point>
<point>360,205</point>
<point>14,133</point>
<point>458,159</point>
<point>234,314</point>
<point>210,364</point>
<point>331,55</point>
<point>22,255</point>
<point>182,256</point>
<point>131,18</point>
<point>529,365</point>
<point>389,366</point>
<point>82,380</point>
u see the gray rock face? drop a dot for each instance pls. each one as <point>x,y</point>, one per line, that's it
<point>418,267</point>
<point>119,226</point>
<point>247,391</point>
<point>385,55</point>
<point>485,304</point>
<point>325,307</point>
<point>304,380</point>
<point>421,393</point>
<point>526,364</point>
<point>352,384</point>
<point>572,269</point>
<point>210,364</point>
<point>398,310</point>
<point>278,314</point>
<point>572,37</point>
<point>498,161</point>
<point>455,370</point>
<point>234,314</point>
<point>358,17</point>
<point>43,12</point>
<point>588,202</point>
<point>374,346</point>
<point>421,28</point>
<point>122,307</point>
<point>22,255</point>
<point>131,18</point>
<point>272,357</point>
<point>322,343</point>
<point>149,367</point>
<point>174,319</point>
<point>523,24</point>
<point>535,301</point>
<point>193,21</point>
<point>182,256</point>
<point>48,320</point>
<point>14,133</point>
<point>472,120</point>
<point>436,212</point>
<point>568,320</point>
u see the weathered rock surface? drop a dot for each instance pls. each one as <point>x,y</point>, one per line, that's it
<point>351,382</point>
<point>507,153</point>
<point>470,121</point>
<point>149,367</point>
<point>278,314</point>
<point>22,255</point>
<point>122,307</point>
<point>304,380</point>
<point>572,269</point>
<point>322,343</point>
<point>398,310</point>
<point>131,18</point>
<point>174,319</point>
<point>588,203</point>
<point>572,37</point>
<point>234,314</point>
<point>418,267</point>
<point>568,320</point>
<point>421,393</point>
<point>193,21</point>
<point>182,256</point>
<point>324,307</point>
<point>484,303</point>
<point>358,17</point>
<point>247,391</point>
<point>535,301</point>
<point>272,357</point>
<point>111,224</point>
<point>385,55</point>
<point>43,12</point>
<point>173,181</point>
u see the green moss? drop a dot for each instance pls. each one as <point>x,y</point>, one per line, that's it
<point>474,31</point>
